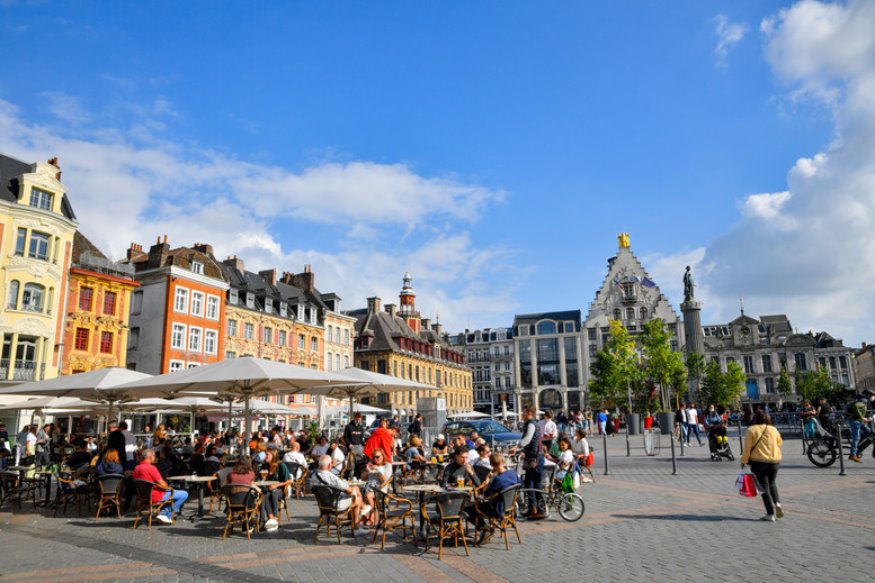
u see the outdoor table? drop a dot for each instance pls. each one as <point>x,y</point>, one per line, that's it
<point>356,482</point>
<point>199,482</point>
<point>421,489</point>
<point>46,476</point>
<point>266,483</point>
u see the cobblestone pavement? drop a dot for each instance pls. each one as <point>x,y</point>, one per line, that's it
<point>641,522</point>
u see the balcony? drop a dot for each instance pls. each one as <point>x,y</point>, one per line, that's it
<point>24,371</point>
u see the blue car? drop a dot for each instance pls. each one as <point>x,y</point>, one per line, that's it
<point>495,434</point>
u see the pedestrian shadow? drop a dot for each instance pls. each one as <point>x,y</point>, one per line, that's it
<point>682,517</point>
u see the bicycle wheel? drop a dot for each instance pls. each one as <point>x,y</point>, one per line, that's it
<point>571,507</point>
<point>821,454</point>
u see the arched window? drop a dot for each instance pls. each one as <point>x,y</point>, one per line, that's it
<point>630,313</point>
<point>617,314</point>
<point>643,313</point>
<point>546,328</point>
<point>328,361</point>
<point>12,302</point>
<point>32,298</point>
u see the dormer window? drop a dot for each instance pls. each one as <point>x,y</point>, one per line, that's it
<point>41,199</point>
<point>197,267</point>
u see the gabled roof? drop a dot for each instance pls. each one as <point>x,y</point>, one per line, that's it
<point>10,170</point>
<point>561,316</point>
<point>81,244</point>
<point>744,319</point>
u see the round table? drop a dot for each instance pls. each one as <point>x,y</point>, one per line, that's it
<point>267,483</point>
<point>200,482</point>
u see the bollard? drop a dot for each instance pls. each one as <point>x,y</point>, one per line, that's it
<point>605,448</point>
<point>841,450</point>
<point>740,439</point>
<point>628,449</point>
<point>674,461</point>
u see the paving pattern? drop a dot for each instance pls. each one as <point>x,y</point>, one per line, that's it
<point>641,523</point>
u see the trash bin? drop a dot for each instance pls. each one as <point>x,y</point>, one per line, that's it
<point>666,422</point>
<point>633,423</point>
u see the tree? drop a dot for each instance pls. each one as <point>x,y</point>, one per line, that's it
<point>813,384</point>
<point>722,388</point>
<point>785,387</point>
<point>615,366</point>
<point>661,364</point>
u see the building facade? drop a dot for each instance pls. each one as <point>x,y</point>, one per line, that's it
<point>765,346</point>
<point>37,225</point>
<point>177,317</point>
<point>402,344</point>
<point>97,313</point>
<point>490,356</point>
<point>864,367</point>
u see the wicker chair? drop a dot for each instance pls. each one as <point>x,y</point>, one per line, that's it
<point>390,519</point>
<point>300,483</point>
<point>14,487</point>
<point>110,490</point>
<point>328,499</point>
<point>71,490</point>
<point>486,519</point>
<point>144,501</point>
<point>447,521</point>
<point>243,505</point>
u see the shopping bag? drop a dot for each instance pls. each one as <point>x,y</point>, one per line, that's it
<point>590,459</point>
<point>746,485</point>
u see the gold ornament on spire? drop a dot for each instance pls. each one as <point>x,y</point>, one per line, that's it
<point>623,238</point>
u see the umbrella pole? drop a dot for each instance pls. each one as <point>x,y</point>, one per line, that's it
<point>246,424</point>
<point>230,416</point>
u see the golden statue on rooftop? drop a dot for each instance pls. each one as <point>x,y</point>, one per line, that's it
<point>623,238</point>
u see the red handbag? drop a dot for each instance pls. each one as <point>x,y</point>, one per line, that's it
<point>746,485</point>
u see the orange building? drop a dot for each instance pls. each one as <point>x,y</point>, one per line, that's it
<point>96,318</point>
<point>178,313</point>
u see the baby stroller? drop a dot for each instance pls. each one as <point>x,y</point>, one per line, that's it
<point>718,443</point>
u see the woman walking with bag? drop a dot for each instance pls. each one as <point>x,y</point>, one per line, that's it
<point>762,450</point>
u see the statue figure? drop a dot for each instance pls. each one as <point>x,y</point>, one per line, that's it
<point>689,286</point>
<point>623,239</point>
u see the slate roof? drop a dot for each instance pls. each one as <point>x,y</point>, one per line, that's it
<point>10,170</point>
<point>574,315</point>
<point>248,281</point>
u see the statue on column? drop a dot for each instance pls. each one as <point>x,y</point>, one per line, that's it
<point>689,293</point>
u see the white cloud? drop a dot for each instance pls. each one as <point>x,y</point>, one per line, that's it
<point>130,185</point>
<point>728,34</point>
<point>807,251</point>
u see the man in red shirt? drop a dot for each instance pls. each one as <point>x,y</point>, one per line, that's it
<point>146,470</point>
<point>383,438</point>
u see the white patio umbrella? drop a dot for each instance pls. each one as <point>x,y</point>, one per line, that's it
<point>99,386</point>
<point>357,408</point>
<point>469,415</point>
<point>242,378</point>
<point>365,382</point>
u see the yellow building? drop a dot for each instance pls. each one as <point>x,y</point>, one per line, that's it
<point>402,344</point>
<point>98,308</point>
<point>37,225</point>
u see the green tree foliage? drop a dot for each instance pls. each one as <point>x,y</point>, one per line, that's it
<point>813,384</point>
<point>722,388</point>
<point>695,364</point>
<point>661,365</point>
<point>785,387</point>
<point>615,366</point>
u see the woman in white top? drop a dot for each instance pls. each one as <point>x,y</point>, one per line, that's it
<point>378,475</point>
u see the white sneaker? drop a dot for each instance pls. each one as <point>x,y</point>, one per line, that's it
<point>779,511</point>
<point>271,524</point>
<point>271,528</point>
<point>164,519</point>
<point>768,518</point>
<point>361,532</point>
<point>366,509</point>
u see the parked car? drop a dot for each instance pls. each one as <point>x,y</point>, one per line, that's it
<point>491,430</point>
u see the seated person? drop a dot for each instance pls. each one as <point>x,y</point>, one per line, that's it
<point>108,464</point>
<point>564,461</point>
<point>378,475</point>
<point>146,470</point>
<point>351,497</point>
<point>338,458</point>
<point>80,457</point>
<point>297,457</point>
<point>276,472</point>
<point>259,453</point>
<point>473,454</point>
<point>459,468</point>
<point>439,448</point>
<point>169,463</point>
<point>187,447</point>
<point>321,448</point>
<point>499,479</point>
<point>413,453</point>
<point>483,456</point>
<point>471,440</point>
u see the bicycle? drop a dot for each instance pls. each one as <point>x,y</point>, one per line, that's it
<point>569,505</point>
<point>823,449</point>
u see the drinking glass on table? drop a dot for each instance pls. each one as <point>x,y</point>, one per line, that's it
<point>460,482</point>
<point>263,472</point>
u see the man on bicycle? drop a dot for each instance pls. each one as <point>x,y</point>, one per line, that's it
<point>858,422</point>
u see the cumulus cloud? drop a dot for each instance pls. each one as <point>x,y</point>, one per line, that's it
<point>129,184</point>
<point>728,35</point>
<point>807,251</point>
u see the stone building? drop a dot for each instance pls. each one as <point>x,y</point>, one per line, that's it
<point>864,367</point>
<point>490,356</point>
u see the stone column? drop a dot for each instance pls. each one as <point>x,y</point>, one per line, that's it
<point>13,348</point>
<point>563,374</point>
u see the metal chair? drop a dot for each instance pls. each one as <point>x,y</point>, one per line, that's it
<point>328,499</point>
<point>13,486</point>
<point>243,506</point>
<point>391,519</point>
<point>447,521</point>
<point>110,490</point>
<point>488,520</point>
<point>144,490</point>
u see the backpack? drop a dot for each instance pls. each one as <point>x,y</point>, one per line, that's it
<point>568,482</point>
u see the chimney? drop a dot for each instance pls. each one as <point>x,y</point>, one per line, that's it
<point>392,310</point>
<point>203,248</point>
<point>135,251</point>
<point>54,162</point>
<point>233,262</point>
<point>269,275</point>
<point>426,323</point>
<point>306,280</point>
<point>158,252</point>
<point>438,329</point>
<point>375,304</point>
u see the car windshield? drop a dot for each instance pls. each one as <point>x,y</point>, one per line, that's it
<point>489,426</point>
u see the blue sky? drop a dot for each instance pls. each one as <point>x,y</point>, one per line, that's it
<point>493,149</point>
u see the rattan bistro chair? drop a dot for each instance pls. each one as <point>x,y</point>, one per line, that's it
<point>328,499</point>
<point>144,501</point>
<point>487,520</point>
<point>447,521</point>
<point>393,514</point>
<point>299,483</point>
<point>71,490</point>
<point>110,490</point>
<point>14,487</point>
<point>243,505</point>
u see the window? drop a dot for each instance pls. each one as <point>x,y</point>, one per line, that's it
<point>301,341</point>
<point>210,341</point>
<point>133,338</point>
<point>176,365</point>
<point>32,297</point>
<point>41,199</point>
<point>180,302</point>
<point>248,331</point>
<point>197,304</point>
<point>546,328</point>
<point>81,338</point>
<point>843,362</point>
<point>21,242</point>
<point>86,295</point>
<point>346,336</point>
<point>592,334</point>
<point>630,313</point>
<point>229,354</point>
<point>109,303</point>
<point>283,338</point>
<point>193,365</point>
<point>39,246</point>
<point>337,363</point>
<point>770,385</point>
<point>232,328</point>
<point>197,267</point>
<point>832,359</point>
<point>137,303</point>
<point>748,364</point>
<point>643,313</point>
<point>346,361</point>
<point>213,307</point>
<point>267,335</point>
<point>194,339</point>
<point>177,336</point>
<point>617,314</point>
<point>767,363</point>
<point>314,344</point>
<point>106,342</point>
<point>801,362</point>
<point>12,300</point>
